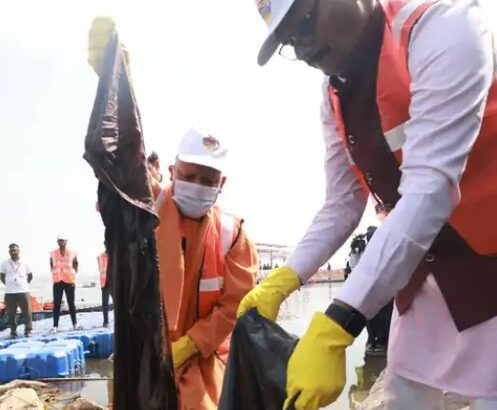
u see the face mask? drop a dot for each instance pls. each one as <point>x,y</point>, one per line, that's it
<point>194,200</point>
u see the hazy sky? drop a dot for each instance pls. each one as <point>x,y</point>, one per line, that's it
<point>193,63</point>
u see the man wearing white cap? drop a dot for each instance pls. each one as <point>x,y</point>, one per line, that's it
<point>64,266</point>
<point>207,264</point>
<point>409,115</point>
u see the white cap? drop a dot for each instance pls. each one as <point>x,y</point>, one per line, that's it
<point>273,12</point>
<point>61,238</point>
<point>202,149</point>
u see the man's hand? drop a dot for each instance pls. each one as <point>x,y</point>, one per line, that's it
<point>30,277</point>
<point>183,349</point>
<point>270,293</point>
<point>316,369</point>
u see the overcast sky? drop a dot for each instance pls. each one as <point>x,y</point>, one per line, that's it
<point>193,64</point>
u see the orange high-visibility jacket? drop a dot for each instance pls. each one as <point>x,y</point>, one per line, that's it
<point>206,267</point>
<point>62,266</point>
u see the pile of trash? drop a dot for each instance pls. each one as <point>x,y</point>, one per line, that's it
<point>33,395</point>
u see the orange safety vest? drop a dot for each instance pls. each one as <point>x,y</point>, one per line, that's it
<point>212,276</point>
<point>62,267</point>
<point>386,80</point>
<point>103,261</point>
<point>478,193</point>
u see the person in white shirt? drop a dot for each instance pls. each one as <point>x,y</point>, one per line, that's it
<point>16,276</point>
<point>409,116</point>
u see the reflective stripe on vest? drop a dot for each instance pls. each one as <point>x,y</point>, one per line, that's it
<point>62,270</point>
<point>477,185</point>
<point>210,288</point>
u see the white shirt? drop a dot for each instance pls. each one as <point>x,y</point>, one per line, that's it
<point>16,276</point>
<point>452,64</point>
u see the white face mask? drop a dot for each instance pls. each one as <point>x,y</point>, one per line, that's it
<point>194,200</point>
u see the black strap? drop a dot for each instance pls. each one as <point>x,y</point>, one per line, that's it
<point>351,320</point>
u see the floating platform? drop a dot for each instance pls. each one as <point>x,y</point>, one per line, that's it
<point>54,355</point>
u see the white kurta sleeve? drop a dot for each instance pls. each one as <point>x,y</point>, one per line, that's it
<point>343,206</point>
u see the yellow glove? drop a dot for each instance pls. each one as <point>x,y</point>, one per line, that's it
<point>98,39</point>
<point>183,349</point>
<point>316,369</point>
<point>270,293</point>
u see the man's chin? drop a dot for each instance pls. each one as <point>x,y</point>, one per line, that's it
<point>328,70</point>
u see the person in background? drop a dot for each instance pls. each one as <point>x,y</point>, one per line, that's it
<point>207,265</point>
<point>378,327</point>
<point>153,166</point>
<point>64,266</point>
<point>103,261</point>
<point>16,276</point>
<point>357,248</point>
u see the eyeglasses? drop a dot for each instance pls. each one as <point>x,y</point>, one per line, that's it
<point>304,32</point>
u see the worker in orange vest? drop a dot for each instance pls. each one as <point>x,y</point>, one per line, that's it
<point>207,264</point>
<point>409,116</point>
<point>64,266</point>
<point>103,262</point>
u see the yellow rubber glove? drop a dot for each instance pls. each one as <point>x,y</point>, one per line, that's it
<point>316,369</point>
<point>183,349</point>
<point>270,293</point>
<point>98,39</point>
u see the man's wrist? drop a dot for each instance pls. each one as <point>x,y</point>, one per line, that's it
<point>347,317</point>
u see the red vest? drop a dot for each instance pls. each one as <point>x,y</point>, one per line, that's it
<point>374,135</point>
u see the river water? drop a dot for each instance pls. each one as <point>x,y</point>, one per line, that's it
<point>295,315</point>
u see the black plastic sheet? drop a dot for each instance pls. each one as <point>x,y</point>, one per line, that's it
<point>255,377</point>
<point>114,147</point>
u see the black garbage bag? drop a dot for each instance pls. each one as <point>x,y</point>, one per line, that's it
<point>255,377</point>
<point>114,147</point>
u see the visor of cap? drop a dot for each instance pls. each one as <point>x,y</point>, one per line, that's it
<point>271,42</point>
<point>206,161</point>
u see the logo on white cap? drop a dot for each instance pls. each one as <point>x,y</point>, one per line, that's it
<point>273,12</point>
<point>210,143</point>
<point>264,7</point>
<point>202,149</point>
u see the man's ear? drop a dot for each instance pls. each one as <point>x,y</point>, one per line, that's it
<point>171,172</point>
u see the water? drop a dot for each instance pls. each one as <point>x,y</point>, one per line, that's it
<point>295,315</point>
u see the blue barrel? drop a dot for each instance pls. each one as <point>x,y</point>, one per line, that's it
<point>88,340</point>
<point>47,338</point>
<point>27,344</point>
<point>37,364</point>
<point>6,343</point>
<point>58,361</point>
<point>12,364</point>
<point>77,351</point>
<point>104,340</point>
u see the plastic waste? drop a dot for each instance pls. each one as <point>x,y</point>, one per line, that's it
<point>255,377</point>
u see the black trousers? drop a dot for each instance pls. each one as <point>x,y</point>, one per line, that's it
<point>379,326</point>
<point>58,289</point>
<point>105,303</point>
<point>23,300</point>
